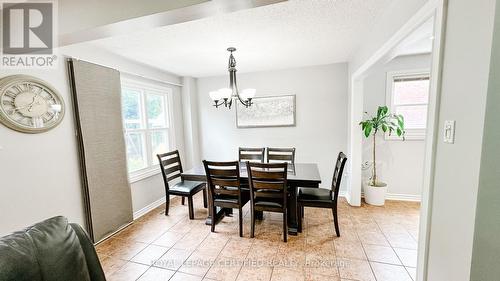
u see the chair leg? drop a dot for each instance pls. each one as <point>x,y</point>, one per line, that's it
<point>285,228</point>
<point>183,200</point>
<point>300,217</point>
<point>240,215</point>
<point>190,206</point>
<point>167,204</point>
<point>252,223</point>
<point>336,222</point>
<point>205,201</point>
<point>214,211</point>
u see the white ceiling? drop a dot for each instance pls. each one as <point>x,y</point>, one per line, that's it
<point>285,35</point>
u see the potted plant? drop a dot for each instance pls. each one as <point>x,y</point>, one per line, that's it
<point>390,123</point>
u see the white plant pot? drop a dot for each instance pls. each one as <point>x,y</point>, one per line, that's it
<point>375,195</point>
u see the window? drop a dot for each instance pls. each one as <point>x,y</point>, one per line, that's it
<point>408,95</point>
<point>146,122</point>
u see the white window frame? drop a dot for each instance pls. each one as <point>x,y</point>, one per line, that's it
<point>411,134</point>
<point>153,167</point>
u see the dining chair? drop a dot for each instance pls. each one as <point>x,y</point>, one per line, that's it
<point>281,155</point>
<point>322,198</point>
<point>268,191</point>
<point>171,169</point>
<point>251,154</point>
<point>223,179</point>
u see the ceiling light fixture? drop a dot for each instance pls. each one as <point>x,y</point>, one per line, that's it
<point>225,96</point>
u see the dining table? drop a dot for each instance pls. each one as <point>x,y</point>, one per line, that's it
<point>299,175</point>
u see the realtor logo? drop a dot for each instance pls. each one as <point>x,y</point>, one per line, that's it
<point>27,28</point>
<point>27,34</point>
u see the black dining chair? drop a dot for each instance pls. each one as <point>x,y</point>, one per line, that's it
<point>268,191</point>
<point>224,188</point>
<point>323,198</point>
<point>281,155</point>
<point>251,154</point>
<point>171,169</point>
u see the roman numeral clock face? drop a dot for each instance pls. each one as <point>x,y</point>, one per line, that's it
<point>29,105</point>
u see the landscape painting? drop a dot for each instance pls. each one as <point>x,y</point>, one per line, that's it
<point>270,111</point>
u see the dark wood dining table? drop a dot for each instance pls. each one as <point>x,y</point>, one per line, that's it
<point>299,175</point>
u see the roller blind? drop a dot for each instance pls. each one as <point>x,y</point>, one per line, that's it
<point>106,189</point>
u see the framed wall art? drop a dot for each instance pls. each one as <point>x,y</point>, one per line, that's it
<point>267,111</point>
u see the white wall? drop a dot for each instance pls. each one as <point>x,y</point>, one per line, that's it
<point>191,126</point>
<point>486,250</point>
<point>399,163</point>
<point>39,173</point>
<point>467,50</point>
<point>321,117</point>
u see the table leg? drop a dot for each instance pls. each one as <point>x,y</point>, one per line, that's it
<point>292,210</point>
<point>221,212</point>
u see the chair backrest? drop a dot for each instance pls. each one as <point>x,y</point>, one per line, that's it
<point>221,175</point>
<point>170,165</point>
<point>251,154</point>
<point>281,155</point>
<point>267,180</point>
<point>337,174</point>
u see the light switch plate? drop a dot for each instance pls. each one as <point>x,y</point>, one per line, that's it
<point>449,131</point>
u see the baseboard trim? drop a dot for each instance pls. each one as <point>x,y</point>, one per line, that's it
<point>135,216</point>
<point>403,197</point>
<point>343,193</point>
<point>113,233</point>
<point>149,208</point>
<point>392,196</point>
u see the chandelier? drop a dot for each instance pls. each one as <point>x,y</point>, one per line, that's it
<point>225,96</point>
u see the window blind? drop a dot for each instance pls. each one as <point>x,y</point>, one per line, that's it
<point>97,102</point>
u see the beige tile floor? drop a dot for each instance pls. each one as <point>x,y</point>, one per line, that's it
<point>376,243</point>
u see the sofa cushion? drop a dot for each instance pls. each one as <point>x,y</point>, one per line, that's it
<point>49,250</point>
<point>18,259</point>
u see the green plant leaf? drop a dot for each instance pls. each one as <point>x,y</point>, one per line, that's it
<point>401,122</point>
<point>385,121</point>
<point>368,129</point>
<point>384,128</point>
<point>381,111</point>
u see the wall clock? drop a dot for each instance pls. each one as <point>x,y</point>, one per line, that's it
<point>29,104</point>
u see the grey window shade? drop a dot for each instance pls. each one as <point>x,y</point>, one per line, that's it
<point>411,78</point>
<point>106,189</point>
